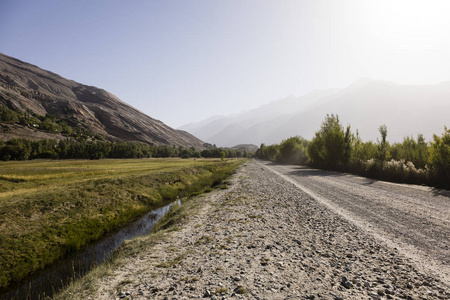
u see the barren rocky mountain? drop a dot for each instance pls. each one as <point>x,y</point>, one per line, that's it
<point>29,89</point>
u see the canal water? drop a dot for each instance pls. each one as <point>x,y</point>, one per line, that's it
<point>44,284</point>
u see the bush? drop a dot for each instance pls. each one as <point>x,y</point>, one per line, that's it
<point>331,146</point>
<point>440,157</point>
<point>293,151</point>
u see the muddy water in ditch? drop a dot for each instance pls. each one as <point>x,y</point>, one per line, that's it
<point>45,283</point>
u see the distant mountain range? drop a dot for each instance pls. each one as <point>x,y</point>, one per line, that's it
<point>365,105</point>
<point>29,89</point>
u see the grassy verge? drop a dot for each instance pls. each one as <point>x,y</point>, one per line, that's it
<point>54,207</point>
<point>171,222</point>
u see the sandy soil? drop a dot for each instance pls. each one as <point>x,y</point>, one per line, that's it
<point>265,238</point>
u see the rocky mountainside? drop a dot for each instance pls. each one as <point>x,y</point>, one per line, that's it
<point>405,109</point>
<point>36,93</point>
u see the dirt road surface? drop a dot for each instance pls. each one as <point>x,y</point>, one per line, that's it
<point>286,232</point>
<point>412,218</point>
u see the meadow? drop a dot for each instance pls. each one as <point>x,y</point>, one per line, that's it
<point>50,208</point>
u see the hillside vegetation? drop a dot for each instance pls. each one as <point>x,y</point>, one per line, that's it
<point>38,104</point>
<point>50,208</point>
<point>334,147</point>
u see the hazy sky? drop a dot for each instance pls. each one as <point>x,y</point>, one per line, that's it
<point>184,61</point>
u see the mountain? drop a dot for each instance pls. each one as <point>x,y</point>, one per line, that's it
<point>365,105</point>
<point>246,147</point>
<point>30,90</point>
<point>227,130</point>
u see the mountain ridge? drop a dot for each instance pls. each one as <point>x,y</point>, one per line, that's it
<point>26,88</point>
<point>365,105</point>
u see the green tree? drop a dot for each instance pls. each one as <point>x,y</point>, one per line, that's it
<point>271,152</point>
<point>440,153</point>
<point>260,152</point>
<point>383,145</point>
<point>293,151</point>
<point>331,146</point>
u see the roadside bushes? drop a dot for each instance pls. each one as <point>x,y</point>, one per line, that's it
<point>331,145</point>
<point>268,152</point>
<point>393,170</point>
<point>290,151</point>
<point>293,151</point>
<point>336,148</point>
<point>412,161</point>
<point>440,158</point>
<point>411,151</point>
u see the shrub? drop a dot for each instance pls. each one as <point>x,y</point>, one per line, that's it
<point>293,151</point>
<point>331,146</point>
<point>440,157</point>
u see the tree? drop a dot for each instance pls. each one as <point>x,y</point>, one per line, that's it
<point>348,145</point>
<point>440,153</point>
<point>271,152</point>
<point>260,152</point>
<point>330,147</point>
<point>293,151</point>
<point>382,153</point>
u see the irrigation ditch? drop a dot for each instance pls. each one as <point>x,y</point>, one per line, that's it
<point>45,283</point>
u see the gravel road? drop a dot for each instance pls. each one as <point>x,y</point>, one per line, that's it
<point>414,219</point>
<point>265,238</point>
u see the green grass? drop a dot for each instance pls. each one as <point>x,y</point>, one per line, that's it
<point>49,208</point>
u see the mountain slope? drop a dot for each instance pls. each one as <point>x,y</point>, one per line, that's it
<point>227,130</point>
<point>27,88</point>
<point>365,105</point>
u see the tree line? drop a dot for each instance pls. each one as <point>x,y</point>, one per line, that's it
<point>70,148</point>
<point>82,143</point>
<point>334,147</point>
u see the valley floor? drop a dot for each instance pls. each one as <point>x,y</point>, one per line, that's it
<point>264,238</point>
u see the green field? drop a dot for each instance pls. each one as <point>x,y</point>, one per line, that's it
<point>49,208</point>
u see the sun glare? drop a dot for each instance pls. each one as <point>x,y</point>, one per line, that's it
<point>414,23</point>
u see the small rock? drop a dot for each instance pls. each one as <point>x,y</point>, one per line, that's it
<point>207,294</point>
<point>346,283</point>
